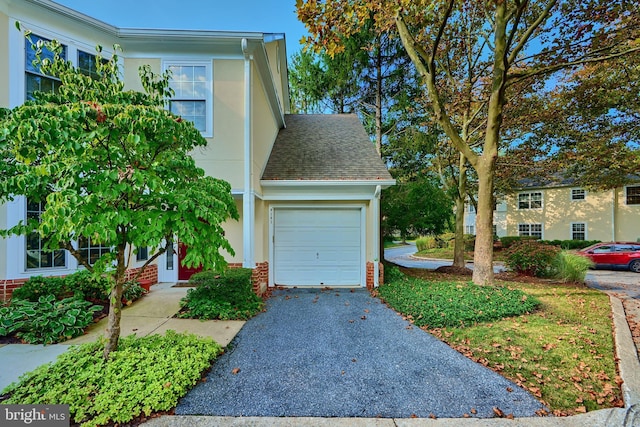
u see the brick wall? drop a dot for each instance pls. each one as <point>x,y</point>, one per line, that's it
<point>371,272</point>
<point>149,273</point>
<point>259,277</point>
<point>7,286</point>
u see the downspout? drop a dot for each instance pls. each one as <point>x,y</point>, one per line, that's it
<point>614,204</point>
<point>376,236</point>
<point>248,202</point>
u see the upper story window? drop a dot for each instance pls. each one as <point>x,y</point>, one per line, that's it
<point>87,63</point>
<point>35,80</point>
<point>578,194</point>
<point>36,256</point>
<point>530,200</point>
<point>633,195</point>
<point>193,97</point>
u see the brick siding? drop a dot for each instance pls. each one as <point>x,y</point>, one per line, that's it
<point>370,274</point>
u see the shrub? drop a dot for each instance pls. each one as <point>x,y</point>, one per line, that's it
<point>142,376</point>
<point>48,320</point>
<point>571,244</point>
<point>531,258</point>
<point>451,304</point>
<point>446,240</point>
<point>38,286</point>
<point>393,274</point>
<point>132,291</point>
<point>469,242</point>
<point>571,267</point>
<point>426,242</point>
<point>225,296</point>
<point>85,286</point>
<point>508,241</point>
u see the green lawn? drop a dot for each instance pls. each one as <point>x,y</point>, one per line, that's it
<point>562,352</point>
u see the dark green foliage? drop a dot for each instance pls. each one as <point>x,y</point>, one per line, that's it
<point>225,296</point>
<point>571,244</point>
<point>86,286</point>
<point>451,304</point>
<point>47,320</point>
<point>532,258</point>
<point>132,291</point>
<point>38,286</point>
<point>508,241</point>
<point>142,376</point>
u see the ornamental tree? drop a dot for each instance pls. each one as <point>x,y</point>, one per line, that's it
<point>475,57</point>
<point>112,166</point>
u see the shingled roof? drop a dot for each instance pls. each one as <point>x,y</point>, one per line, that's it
<point>324,147</point>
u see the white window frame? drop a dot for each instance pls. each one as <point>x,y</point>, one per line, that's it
<point>626,195</point>
<point>581,192</point>
<point>529,200</point>
<point>529,227</point>
<point>573,231</point>
<point>208,132</point>
<point>469,229</point>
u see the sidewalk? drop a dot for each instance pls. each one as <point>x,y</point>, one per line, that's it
<point>150,315</point>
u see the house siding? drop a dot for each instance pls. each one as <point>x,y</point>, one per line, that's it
<point>4,65</point>
<point>599,210</point>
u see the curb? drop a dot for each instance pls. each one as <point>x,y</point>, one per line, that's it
<point>627,354</point>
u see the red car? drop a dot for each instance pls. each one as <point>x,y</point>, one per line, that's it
<point>614,255</point>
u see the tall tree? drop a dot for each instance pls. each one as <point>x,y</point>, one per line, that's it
<point>113,166</point>
<point>504,43</point>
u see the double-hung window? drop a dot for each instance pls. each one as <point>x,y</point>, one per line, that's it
<point>533,230</point>
<point>578,194</point>
<point>91,250</point>
<point>193,95</point>
<point>36,256</point>
<point>35,80</point>
<point>530,200</point>
<point>633,195</point>
<point>578,231</point>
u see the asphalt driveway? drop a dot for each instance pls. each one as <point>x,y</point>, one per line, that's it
<point>342,353</point>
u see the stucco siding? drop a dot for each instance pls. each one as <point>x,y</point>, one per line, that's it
<point>3,242</point>
<point>233,233</point>
<point>224,154</point>
<point>273,52</point>
<point>131,74</point>
<point>263,129</point>
<point>628,219</point>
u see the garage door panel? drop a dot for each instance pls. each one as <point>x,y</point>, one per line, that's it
<point>320,247</point>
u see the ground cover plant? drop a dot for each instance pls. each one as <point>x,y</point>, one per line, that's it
<point>143,376</point>
<point>226,296</point>
<point>563,352</point>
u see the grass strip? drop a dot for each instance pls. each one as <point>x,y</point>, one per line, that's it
<point>563,352</point>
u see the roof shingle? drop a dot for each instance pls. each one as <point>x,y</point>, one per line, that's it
<point>324,147</point>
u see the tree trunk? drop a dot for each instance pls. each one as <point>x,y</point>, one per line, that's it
<point>458,248</point>
<point>115,307</point>
<point>483,252</point>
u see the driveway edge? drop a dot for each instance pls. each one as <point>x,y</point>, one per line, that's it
<point>627,355</point>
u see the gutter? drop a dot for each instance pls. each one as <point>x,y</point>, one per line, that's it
<point>248,202</point>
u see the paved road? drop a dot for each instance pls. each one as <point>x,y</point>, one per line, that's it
<point>402,255</point>
<point>343,353</point>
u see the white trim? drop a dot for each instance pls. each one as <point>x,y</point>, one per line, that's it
<point>314,183</point>
<point>350,206</point>
<point>578,223</point>
<point>584,192</point>
<point>375,225</point>
<point>248,199</point>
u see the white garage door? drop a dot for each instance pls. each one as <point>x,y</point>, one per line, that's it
<point>317,247</point>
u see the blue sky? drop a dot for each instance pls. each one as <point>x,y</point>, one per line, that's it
<point>266,16</point>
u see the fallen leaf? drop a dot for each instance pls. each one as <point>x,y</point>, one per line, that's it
<point>474,411</point>
<point>433,417</point>
<point>581,409</point>
<point>235,371</point>
<point>498,412</point>
<point>509,389</point>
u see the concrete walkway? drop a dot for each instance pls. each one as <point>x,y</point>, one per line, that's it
<point>152,314</point>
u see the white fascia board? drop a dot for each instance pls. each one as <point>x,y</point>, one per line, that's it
<point>320,183</point>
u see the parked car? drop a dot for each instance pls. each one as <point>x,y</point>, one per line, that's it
<point>614,255</point>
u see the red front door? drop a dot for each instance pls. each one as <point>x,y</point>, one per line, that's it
<point>184,273</point>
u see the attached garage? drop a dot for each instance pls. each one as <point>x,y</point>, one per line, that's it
<point>318,246</point>
<point>321,188</point>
